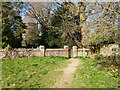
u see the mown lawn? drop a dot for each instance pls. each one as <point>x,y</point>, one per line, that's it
<point>89,76</point>
<point>32,72</point>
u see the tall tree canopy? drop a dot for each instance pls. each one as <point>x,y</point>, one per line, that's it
<point>0,25</point>
<point>64,23</point>
<point>78,20</point>
<point>106,28</point>
<point>12,25</point>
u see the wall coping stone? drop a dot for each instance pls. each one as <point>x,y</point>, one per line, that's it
<point>84,49</point>
<point>55,49</point>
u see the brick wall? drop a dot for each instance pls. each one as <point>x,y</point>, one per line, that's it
<point>39,52</point>
<point>57,52</point>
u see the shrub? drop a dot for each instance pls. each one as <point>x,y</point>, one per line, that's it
<point>112,60</point>
<point>98,57</point>
<point>108,63</point>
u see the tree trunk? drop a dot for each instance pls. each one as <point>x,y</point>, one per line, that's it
<point>84,32</point>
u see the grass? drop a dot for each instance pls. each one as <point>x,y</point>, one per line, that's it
<point>31,72</point>
<point>89,76</point>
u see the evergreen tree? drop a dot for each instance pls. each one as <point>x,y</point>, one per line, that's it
<point>12,25</point>
<point>52,37</point>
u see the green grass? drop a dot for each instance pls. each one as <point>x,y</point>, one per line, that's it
<point>89,76</point>
<point>32,72</point>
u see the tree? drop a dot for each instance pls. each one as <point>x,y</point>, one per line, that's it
<point>0,25</point>
<point>70,28</point>
<point>106,28</point>
<point>12,25</point>
<point>51,37</point>
<point>60,36</point>
<point>43,15</point>
<point>85,16</point>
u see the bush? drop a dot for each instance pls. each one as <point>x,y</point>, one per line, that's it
<point>108,63</point>
<point>112,60</point>
<point>98,57</point>
<point>109,60</point>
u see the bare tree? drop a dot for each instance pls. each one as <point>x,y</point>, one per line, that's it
<point>42,12</point>
<point>86,16</point>
<point>106,28</point>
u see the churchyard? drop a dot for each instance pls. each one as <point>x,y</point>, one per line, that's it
<point>59,44</point>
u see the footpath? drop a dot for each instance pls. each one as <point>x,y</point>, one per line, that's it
<point>66,79</point>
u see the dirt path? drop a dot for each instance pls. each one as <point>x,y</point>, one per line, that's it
<point>66,79</point>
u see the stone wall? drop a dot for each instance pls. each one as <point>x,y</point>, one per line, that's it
<point>110,49</point>
<point>76,52</point>
<point>38,52</point>
<point>19,53</point>
<point>41,52</point>
<point>57,52</point>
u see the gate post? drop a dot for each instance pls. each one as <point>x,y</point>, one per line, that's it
<point>84,52</point>
<point>42,51</point>
<point>89,53</point>
<point>66,51</point>
<point>75,51</point>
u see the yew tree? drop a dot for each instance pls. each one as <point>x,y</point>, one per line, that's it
<point>12,25</point>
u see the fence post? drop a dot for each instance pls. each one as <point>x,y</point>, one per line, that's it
<point>66,51</point>
<point>42,51</point>
<point>75,51</point>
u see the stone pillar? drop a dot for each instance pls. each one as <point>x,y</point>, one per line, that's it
<point>89,52</point>
<point>75,51</point>
<point>66,51</point>
<point>84,52</point>
<point>42,51</point>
